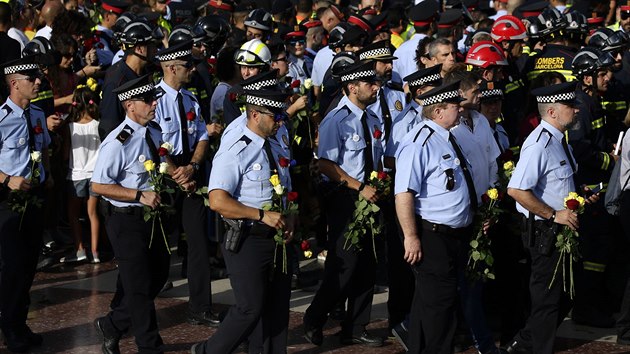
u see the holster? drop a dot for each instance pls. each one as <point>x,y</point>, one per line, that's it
<point>235,231</point>
<point>541,235</point>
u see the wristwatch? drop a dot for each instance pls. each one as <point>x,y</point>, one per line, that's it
<point>195,166</point>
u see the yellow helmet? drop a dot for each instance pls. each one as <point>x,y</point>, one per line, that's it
<point>253,53</point>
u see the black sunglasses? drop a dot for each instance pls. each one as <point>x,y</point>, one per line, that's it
<point>625,15</point>
<point>31,77</point>
<point>277,117</point>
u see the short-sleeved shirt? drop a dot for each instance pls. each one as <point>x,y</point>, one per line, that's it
<point>402,124</point>
<point>424,161</point>
<point>406,63</point>
<point>322,62</point>
<point>544,168</point>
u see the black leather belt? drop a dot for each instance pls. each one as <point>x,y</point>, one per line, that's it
<point>443,229</point>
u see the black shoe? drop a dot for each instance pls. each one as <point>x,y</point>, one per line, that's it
<point>33,339</point>
<point>338,313</point>
<point>402,334</point>
<point>364,338</point>
<point>110,342</point>
<point>16,342</point>
<point>517,348</point>
<point>196,348</point>
<point>623,340</point>
<point>313,334</point>
<point>593,318</point>
<point>208,318</point>
<point>167,286</point>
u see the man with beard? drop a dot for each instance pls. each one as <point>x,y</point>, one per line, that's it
<point>349,151</point>
<point>594,155</point>
<point>121,178</point>
<point>390,98</point>
<point>543,177</point>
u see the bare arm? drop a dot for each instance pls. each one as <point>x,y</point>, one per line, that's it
<point>223,203</point>
<point>118,192</point>
<point>407,218</point>
<point>534,205</point>
<point>337,174</point>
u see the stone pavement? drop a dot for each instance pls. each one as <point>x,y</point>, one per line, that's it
<point>66,299</point>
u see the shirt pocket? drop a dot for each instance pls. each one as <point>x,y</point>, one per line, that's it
<point>138,174</point>
<point>256,181</point>
<point>564,172</point>
<point>445,178</point>
<point>12,147</point>
<point>354,149</point>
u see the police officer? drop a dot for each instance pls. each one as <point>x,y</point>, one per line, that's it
<point>121,178</point>
<point>110,10</point>
<point>23,135</point>
<point>179,115</point>
<point>139,40</point>
<point>419,82</point>
<point>390,97</point>
<point>435,199</point>
<point>490,104</point>
<point>348,153</point>
<point>253,58</point>
<point>240,189</point>
<point>543,177</point>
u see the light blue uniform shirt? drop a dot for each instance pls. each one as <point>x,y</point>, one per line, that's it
<point>544,168</point>
<point>402,124</point>
<point>296,69</point>
<point>422,163</point>
<point>15,151</point>
<point>341,139</point>
<point>406,63</point>
<point>121,160</point>
<point>321,63</point>
<point>481,150</point>
<point>241,168</point>
<point>167,116</point>
<point>501,137</point>
<point>235,129</point>
<point>395,104</point>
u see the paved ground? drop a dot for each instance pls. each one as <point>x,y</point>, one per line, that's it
<point>66,299</point>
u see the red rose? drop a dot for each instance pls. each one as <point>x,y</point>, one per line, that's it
<point>305,245</point>
<point>382,175</point>
<point>378,134</point>
<point>292,196</point>
<point>573,204</point>
<point>190,116</point>
<point>162,151</point>
<point>284,162</point>
<point>233,96</point>
<point>295,84</point>
<point>507,155</point>
<point>38,129</point>
<point>485,199</point>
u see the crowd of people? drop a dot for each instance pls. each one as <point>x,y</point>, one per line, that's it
<point>450,150</point>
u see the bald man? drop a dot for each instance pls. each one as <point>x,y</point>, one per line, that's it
<point>50,10</point>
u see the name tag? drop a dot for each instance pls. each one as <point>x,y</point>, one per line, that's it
<point>563,162</point>
<point>446,157</point>
<point>168,119</point>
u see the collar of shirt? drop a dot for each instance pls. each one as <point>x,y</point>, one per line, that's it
<point>134,125</point>
<point>415,106</point>
<point>437,129</point>
<point>257,140</point>
<point>555,132</point>
<point>358,112</point>
<point>17,109</point>
<point>171,92</point>
<point>310,50</point>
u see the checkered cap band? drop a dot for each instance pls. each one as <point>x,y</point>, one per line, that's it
<point>17,68</point>
<point>424,80</point>
<point>259,101</point>
<point>441,97</point>
<point>261,84</point>
<point>491,93</point>
<point>358,75</point>
<point>176,55</point>
<point>375,53</point>
<point>135,92</point>
<point>566,96</point>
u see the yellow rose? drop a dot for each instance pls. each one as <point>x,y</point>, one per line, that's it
<point>508,166</point>
<point>275,180</point>
<point>149,165</point>
<point>581,200</point>
<point>493,193</point>
<point>374,175</point>
<point>308,254</point>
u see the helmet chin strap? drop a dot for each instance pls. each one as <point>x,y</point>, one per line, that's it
<point>140,56</point>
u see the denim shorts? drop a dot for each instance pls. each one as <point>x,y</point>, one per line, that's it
<point>81,189</point>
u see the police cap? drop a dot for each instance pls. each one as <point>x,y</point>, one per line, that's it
<point>448,93</point>
<point>380,50</point>
<point>490,91</point>
<point>274,100</point>
<point>361,71</point>
<point>24,65</point>
<point>424,13</point>
<point>180,51</point>
<point>266,80</point>
<point>141,87</point>
<point>115,6</point>
<point>427,76</point>
<point>559,93</point>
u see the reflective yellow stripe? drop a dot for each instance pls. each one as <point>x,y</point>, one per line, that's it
<point>193,90</point>
<point>598,123</point>
<point>515,149</point>
<point>513,86</point>
<point>526,50</point>
<point>297,139</point>
<point>568,74</point>
<point>614,105</point>
<point>615,26</point>
<point>242,108</point>
<point>499,118</point>
<point>203,95</point>
<point>43,95</point>
<point>594,267</point>
<point>606,161</point>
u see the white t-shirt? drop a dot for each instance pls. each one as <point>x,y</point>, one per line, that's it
<point>85,141</point>
<point>45,32</point>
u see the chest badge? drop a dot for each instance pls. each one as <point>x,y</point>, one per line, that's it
<point>456,161</point>
<point>285,140</point>
<point>257,167</point>
<point>398,105</point>
<point>21,141</point>
<point>142,158</point>
<point>356,138</point>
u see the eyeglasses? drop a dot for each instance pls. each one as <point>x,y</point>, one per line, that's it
<point>32,78</point>
<point>150,98</point>
<point>281,59</point>
<point>188,65</point>
<point>296,41</point>
<point>625,15</point>
<point>277,117</point>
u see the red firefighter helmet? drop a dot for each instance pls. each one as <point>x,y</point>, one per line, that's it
<point>484,54</point>
<point>508,28</point>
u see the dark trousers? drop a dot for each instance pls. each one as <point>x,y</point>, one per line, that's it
<point>399,275</point>
<point>548,306</point>
<point>347,274</point>
<point>143,270</point>
<point>433,317</point>
<point>195,222</point>
<point>262,293</point>
<point>20,250</point>
<point>623,322</point>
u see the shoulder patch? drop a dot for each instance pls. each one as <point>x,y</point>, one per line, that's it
<point>240,144</point>
<point>395,86</point>
<point>124,134</point>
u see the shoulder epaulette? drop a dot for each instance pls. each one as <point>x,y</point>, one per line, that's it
<point>5,111</point>
<point>154,125</point>
<point>240,144</point>
<point>395,86</point>
<point>548,136</point>
<point>124,134</point>
<point>430,132</point>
